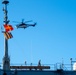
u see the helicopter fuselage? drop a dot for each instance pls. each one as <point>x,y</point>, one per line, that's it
<point>23,25</point>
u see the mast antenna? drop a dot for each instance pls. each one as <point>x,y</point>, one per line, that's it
<point>6,59</point>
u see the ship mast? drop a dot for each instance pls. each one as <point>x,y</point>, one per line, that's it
<point>6,59</point>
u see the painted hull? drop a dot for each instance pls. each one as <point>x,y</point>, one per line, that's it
<point>34,72</point>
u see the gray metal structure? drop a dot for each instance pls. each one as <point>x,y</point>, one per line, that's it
<point>6,59</point>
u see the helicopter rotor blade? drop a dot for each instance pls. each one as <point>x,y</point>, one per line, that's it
<point>28,21</point>
<point>16,22</point>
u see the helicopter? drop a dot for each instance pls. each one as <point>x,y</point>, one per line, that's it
<point>25,24</point>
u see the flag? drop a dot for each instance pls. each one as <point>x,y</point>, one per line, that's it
<point>8,27</point>
<point>8,35</point>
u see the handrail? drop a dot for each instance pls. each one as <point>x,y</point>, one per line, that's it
<point>43,66</point>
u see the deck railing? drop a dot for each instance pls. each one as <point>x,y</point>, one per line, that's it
<point>56,66</point>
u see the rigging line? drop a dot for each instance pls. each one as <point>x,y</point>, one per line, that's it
<point>31,52</point>
<point>16,44</point>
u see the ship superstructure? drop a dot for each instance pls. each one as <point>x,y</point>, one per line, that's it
<point>38,69</point>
